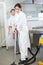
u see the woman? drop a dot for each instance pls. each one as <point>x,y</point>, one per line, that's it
<point>10,28</point>
<point>21,23</point>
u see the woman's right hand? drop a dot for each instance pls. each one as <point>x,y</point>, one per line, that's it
<point>15,27</point>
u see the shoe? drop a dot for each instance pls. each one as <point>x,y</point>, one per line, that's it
<point>26,64</point>
<point>13,63</point>
<point>17,53</point>
<point>22,62</point>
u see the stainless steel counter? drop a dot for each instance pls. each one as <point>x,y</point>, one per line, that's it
<point>34,35</point>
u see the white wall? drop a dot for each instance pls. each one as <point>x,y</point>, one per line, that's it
<point>31,9</point>
<point>10,3</point>
<point>39,1</point>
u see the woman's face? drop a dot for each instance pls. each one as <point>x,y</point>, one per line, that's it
<point>17,9</point>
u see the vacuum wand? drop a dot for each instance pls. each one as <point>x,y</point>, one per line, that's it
<point>15,39</point>
<point>15,45</point>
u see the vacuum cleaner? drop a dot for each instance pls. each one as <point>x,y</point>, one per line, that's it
<point>40,62</point>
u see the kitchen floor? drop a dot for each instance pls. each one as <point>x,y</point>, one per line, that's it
<point>7,57</point>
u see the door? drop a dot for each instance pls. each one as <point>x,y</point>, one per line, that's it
<point>2,25</point>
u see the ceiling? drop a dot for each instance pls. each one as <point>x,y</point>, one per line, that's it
<point>29,1</point>
<point>34,1</point>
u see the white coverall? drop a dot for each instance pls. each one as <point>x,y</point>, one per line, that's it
<point>23,35</point>
<point>10,40</point>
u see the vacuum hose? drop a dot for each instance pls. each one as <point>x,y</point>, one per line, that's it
<point>33,58</point>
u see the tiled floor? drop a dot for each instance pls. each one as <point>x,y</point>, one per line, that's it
<point>7,57</point>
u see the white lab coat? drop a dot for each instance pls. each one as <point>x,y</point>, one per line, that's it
<point>24,41</point>
<point>9,39</point>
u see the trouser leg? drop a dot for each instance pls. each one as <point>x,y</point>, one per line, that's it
<point>24,55</point>
<point>24,52</point>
